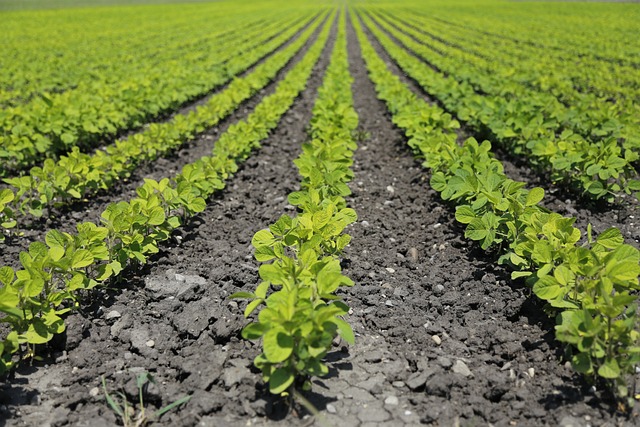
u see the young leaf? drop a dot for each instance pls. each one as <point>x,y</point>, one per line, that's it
<point>534,196</point>
<point>280,380</point>
<point>278,345</point>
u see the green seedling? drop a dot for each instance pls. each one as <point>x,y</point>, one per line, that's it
<point>127,411</point>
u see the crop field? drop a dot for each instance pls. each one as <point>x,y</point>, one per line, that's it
<point>328,213</point>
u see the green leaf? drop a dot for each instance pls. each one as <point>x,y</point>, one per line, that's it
<point>519,274</point>
<point>38,333</point>
<point>82,258</point>
<point>33,287</point>
<point>278,345</point>
<point>197,205</point>
<point>6,196</point>
<point>624,271</point>
<point>346,332</point>
<point>582,363</point>
<point>476,230</point>
<point>610,238</point>
<point>253,331</point>
<point>609,369</point>
<point>547,288</point>
<point>280,380</point>
<point>464,214</point>
<point>6,275</point>
<point>156,216</point>
<point>563,275</point>
<point>263,238</point>
<point>534,196</point>
<point>56,253</point>
<point>252,306</point>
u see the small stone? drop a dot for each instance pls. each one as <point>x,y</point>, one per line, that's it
<point>94,392</point>
<point>569,421</point>
<point>459,367</point>
<point>128,355</point>
<point>438,289</point>
<point>364,223</point>
<point>531,372</point>
<point>390,270</point>
<point>436,339</point>
<point>417,380</point>
<point>412,254</point>
<point>388,303</point>
<point>398,384</point>
<point>390,189</point>
<point>436,225</point>
<point>150,343</point>
<point>392,401</point>
<point>505,366</point>
<point>113,314</point>
<point>331,409</point>
<point>234,375</point>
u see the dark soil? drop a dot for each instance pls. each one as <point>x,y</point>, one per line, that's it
<point>443,336</point>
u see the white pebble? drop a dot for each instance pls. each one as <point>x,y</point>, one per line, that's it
<point>391,400</point>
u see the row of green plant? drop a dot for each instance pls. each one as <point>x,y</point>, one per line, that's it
<point>590,284</point>
<point>585,75</point>
<point>555,70</point>
<point>600,169</point>
<point>53,125</point>
<point>56,272</point>
<point>78,175</point>
<point>600,31</point>
<point>66,60</point>
<point>299,312</point>
<point>491,72</point>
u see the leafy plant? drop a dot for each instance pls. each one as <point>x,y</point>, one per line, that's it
<point>530,123</point>
<point>300,318</point>
<point>127,411</point>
